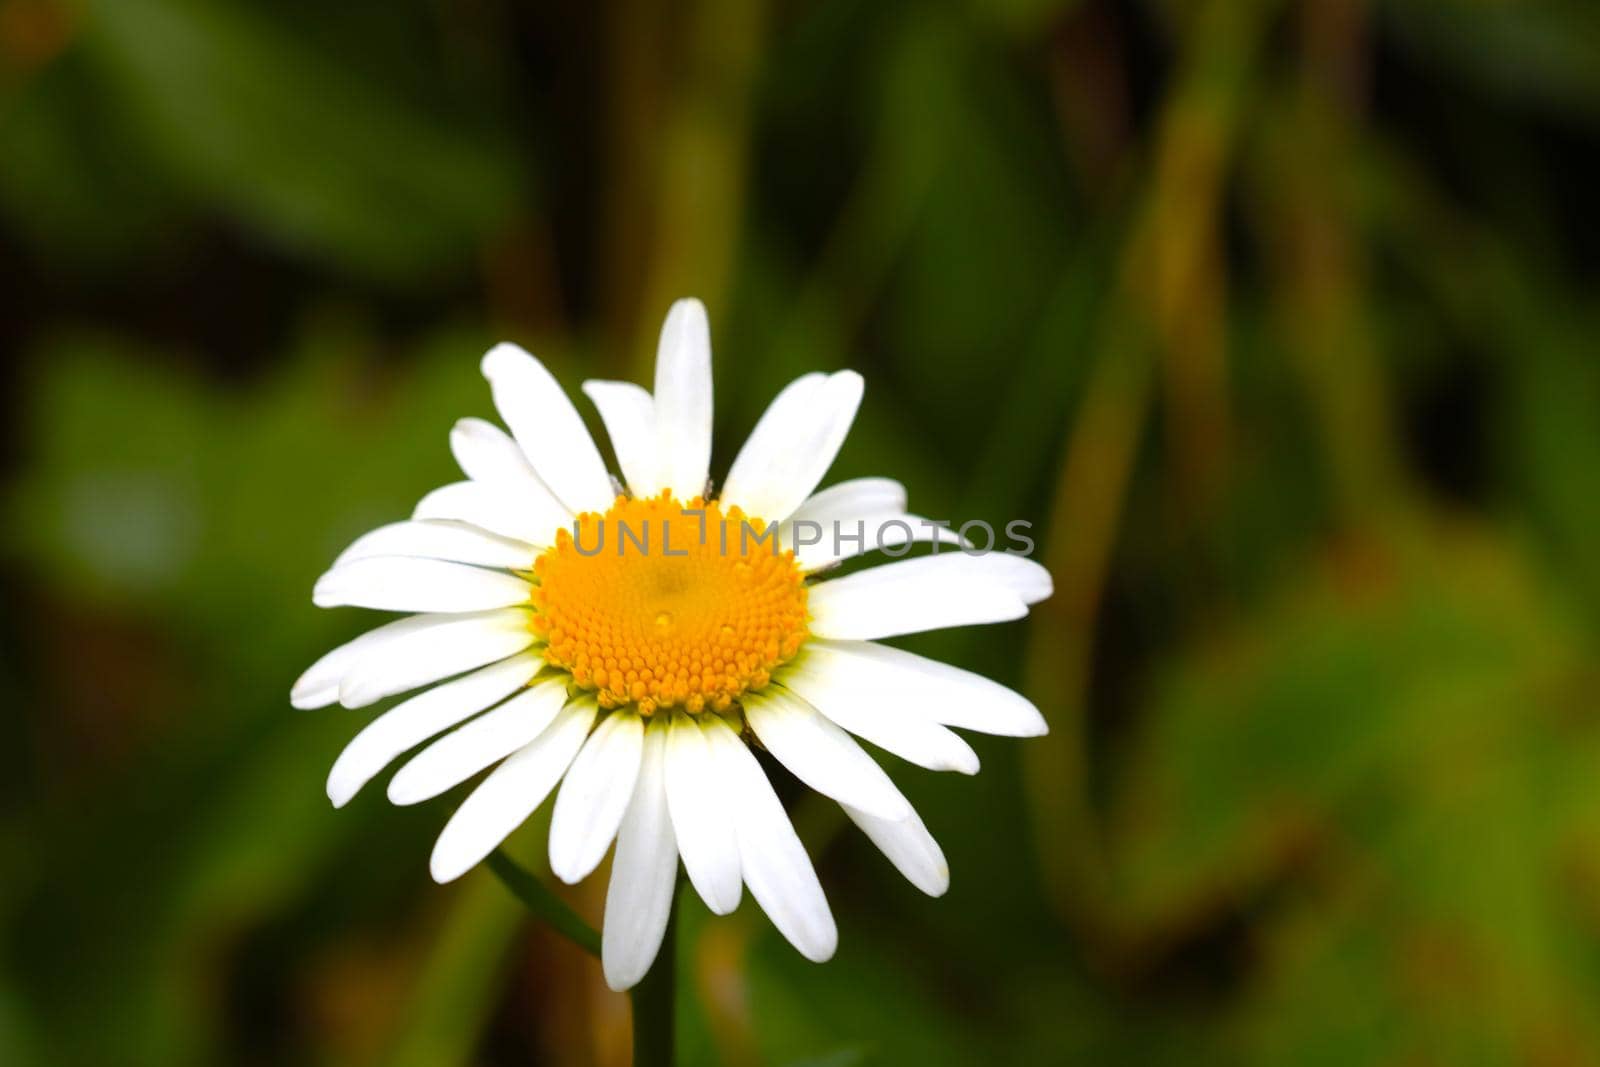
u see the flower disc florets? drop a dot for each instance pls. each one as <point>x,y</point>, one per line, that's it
<point>661,603</point>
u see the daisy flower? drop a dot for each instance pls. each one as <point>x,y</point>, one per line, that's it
<point>627,644</point>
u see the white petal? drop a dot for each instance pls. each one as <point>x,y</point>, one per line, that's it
<point>442,539</point>
<point>819,544</point>
<point>858,496</point>
<point>511,793</point>
<point>793,445</point>
<point>700,821</point>
<point>683,399</point>
<point>835,515</point>
<point>594,795</point>
<point>643,872</point>
<point>488,455</point>
<point>629,415</point>
<point>909,846</point>
<point>425,648</point>
<point>1023,576</point>
<point>408,583</point>
<point>409,724</point>
<point>938,691</point>
<point>842,690</point>
<point>871,610</point>
<point>930,593</point>
<point>775,864</point>
<point>548,428</point>
<point>489,738</point>
<point>508,514</point>
<point>820,754</point>
<point>319,685</point>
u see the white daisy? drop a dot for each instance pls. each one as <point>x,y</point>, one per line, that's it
<point>637,677</point>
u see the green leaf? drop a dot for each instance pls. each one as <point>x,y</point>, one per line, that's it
<point>297,146</point>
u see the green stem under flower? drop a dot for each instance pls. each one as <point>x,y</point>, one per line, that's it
<point>537,898</point>
<point>654,998</point>
<point>655,1002</point>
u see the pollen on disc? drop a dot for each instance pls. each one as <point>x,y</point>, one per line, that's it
<point>662,603</point>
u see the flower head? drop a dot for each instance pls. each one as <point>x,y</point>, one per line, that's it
<point>628,647</point>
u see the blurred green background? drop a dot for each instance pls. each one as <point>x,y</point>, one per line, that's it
<point>1278,318</point>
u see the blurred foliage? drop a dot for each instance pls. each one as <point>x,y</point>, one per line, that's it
<point>1275,317</point>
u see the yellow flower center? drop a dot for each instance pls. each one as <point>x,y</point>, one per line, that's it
<point>663,604</point>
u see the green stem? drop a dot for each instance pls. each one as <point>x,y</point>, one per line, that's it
<point>537,898</point>
<point>654,998</point>
<point>655,1002</point>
